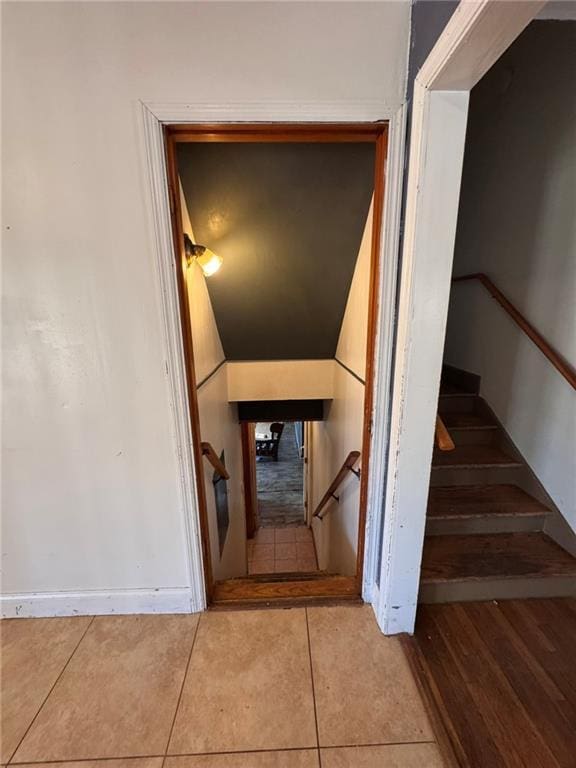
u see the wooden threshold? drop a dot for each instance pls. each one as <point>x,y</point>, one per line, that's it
<point>283,588</point>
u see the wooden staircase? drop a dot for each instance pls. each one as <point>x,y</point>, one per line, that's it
<point>487,516</point>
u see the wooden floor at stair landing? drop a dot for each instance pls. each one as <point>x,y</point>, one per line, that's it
<point>502,676</point>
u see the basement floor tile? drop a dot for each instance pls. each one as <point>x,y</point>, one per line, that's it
<point>364,690</point>
<point>33,652</point>
<point>248,686</point>
<point>294,758</point>
<point>118,695</point>
<point>390,756</point>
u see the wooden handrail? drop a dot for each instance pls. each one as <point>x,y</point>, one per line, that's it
<point>212,457</point>
<point>443,439</point>
<point>562,366</point>
<point>348,466</point>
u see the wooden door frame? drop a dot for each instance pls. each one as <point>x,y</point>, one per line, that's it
<point>154,117</point>
<point>476,35</point>
<point>276,588</point>
<point>249,474</point>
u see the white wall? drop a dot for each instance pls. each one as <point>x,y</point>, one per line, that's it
<point>218,421</point>
<point>219,426</point>
<point>91,494</point>
<point>280,380</point>
<point>517,224</point>
<point>336,535</point>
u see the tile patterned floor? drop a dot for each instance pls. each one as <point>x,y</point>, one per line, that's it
<point>281,550</point>
<point>294,688</point>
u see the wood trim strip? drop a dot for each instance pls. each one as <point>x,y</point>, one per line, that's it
<point>560,363</point>
<point>248,441</point>
<point>205,379</point>
<point>214,459</point>
<point>180,267</point>
<point>348,370</point>
<point>270,132</point>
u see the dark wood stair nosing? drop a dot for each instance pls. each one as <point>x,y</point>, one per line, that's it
<point>480,465</point>
<point>490,514</point>
<point>494,577</point>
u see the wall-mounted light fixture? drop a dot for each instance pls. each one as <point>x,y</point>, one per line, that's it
<point>207,260</point>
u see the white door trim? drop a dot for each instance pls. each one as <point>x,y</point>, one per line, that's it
<point>474,38</point>
<point>156,114</point>
<point>383,351</point>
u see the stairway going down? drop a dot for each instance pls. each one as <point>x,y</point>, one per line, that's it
<point>488,516</point>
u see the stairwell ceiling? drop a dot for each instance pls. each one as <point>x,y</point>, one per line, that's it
<point>288,220</point>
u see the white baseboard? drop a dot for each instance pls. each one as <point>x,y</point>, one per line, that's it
<point>97,603</point>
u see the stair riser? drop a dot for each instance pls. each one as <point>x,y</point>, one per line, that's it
<point>491,475</point>
<point>474,436</point>
<point>486,524</point>
<point>497,589</point>
<point>458,404</point>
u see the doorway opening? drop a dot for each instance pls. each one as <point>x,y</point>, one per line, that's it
<point>280,474</point>
<point>282,539</point>
<point>279,340</point>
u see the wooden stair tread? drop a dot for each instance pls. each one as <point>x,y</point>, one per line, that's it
<point>467,501</point>
<point>494,556</point>
<point>473,456</point>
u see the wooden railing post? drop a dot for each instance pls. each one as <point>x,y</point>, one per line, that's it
<point>348,466</point>
<point>214,459</point>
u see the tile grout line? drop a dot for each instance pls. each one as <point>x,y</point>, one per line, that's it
<point>181,690</point>
<point>225,752</point>
<point>313,689</point>
<point>9,762</point>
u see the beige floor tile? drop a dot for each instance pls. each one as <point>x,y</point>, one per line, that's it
<point>264,536</point>
<point>118,695</point>
<point>365,692</point>
<point>302,534</point>
<point>284,550</point>
<point>248,686</point>
<point>33,652</point>
<point>391,756</point>
<point>296,758</point>
<point>127,762</point>
<point>285,535</point>
<point>286,566</point>
<point>305,550</point>
<point>263,552</point>
<point>307,564</point>
<point>261,566</point>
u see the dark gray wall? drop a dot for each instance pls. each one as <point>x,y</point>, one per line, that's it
<point>288,220</point>
<point>517,200</point>
<point>429,17</point>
